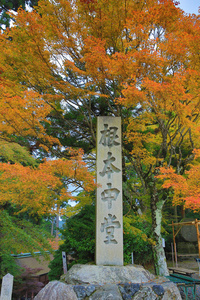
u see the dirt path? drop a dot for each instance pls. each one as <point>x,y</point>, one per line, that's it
<point>186,264</point>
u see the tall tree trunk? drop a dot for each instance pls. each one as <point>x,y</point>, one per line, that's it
<point>160,263</point>
<point>52,226</point>
<point>57,225</point>
<point>176,214</point>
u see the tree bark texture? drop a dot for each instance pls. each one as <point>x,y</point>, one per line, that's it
<point>158,250</point>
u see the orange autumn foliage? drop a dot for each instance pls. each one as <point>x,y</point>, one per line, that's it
<point>46,189</point>
<point>45,46</point>
<point>141,55</point>
<point>186,188</point>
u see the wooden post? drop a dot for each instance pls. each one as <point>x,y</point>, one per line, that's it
<point>198,237</point>
<point>132,258</point>
<point>64,258</point>
<point>175,251</point>
<point>175,254</point>
<point>172,254</point>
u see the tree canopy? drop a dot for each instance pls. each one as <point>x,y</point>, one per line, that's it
<point>6,5</point>
<point>66,62</point>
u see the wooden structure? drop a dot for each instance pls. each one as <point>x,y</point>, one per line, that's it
<point>187,283</point>
<point>182,271</point>
<point>30,262</point>
<point>195,223</point>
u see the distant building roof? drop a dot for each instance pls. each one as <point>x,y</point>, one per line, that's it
<point>38,261</point>
<point>31,262</point>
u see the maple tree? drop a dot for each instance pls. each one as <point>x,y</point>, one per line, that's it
<point>186,186</point>
<point>158,80</point>
<point>19,232</point>
<point>19,235</point>
<point>158,69</point>
<point>30,192</point>
<point>6,5</point>
<point>27,284</point>
<point>48,59</point>
<point>67,62</point>
<point>163,89</point>
<point>43,190</point>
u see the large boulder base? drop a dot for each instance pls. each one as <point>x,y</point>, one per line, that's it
<point>92,274</point>
<point>90,282</point>
<point>56,290</point>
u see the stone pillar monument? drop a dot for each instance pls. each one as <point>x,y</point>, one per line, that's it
<point>109,213</point>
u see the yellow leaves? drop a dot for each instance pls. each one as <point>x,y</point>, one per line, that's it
<point>129,228</point>
<point>105,19</point>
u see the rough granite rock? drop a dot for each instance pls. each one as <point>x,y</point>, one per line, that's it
<point>171,291</point>
<point>92,274</point>
<point>145,293</point>
<point>128,290</point>
<point>56,290</point>
<point>107,292</point>
<point>83,291</point>
<point>109,283</point>
<point>158,289</point>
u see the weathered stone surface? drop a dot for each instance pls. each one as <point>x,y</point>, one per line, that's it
<point>146,293</point>
<point>56,290</point>
<point>131,288</point>
<point>84,274</point>
<point>158,289</point>
<point>90,289</point>
<point>127,291</point>
<point>171,291</point>
<point>7,286</point>
<point>188,232</point>
<point>83,291</point>
<point>107,292</point>
<point>125,296</point>
<point>80,291</point>
<point>109,211</point>
<point>110,283</point>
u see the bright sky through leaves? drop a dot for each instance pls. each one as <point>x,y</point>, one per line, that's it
<point>190,6</point>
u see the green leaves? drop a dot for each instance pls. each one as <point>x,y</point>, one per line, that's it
<point>19,236</point>
<point>13,153</point>
<point>137,232</point>
<point>79,241</point>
